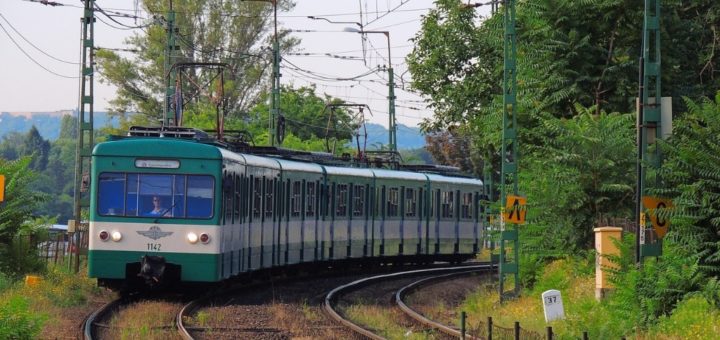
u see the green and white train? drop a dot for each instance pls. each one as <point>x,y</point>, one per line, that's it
<point>182,210</point>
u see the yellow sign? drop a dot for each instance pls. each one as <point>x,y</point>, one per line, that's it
<point>2,188</point>
<point>515,209</point>
<point>660,225</point>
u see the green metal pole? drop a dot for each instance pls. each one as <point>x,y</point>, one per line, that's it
<point>83,149</point>
<point>170,48</point>
<point>275,98</point>
<point>651,109</point>
<point>509,152</point>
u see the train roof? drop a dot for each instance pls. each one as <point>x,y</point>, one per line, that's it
<point>146,147</point>
<point>299,166</point>
<point>343,171</point>
<point>454,180</point>
<point>404,175</point>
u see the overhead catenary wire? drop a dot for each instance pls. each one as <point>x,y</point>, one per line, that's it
<point>33,59</point>
<point>33,45</point>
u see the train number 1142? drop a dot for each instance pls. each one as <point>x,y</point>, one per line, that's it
<point>154,246</point>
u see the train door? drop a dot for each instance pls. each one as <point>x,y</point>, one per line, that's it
<point>467,227</point>
<point>311,200</point>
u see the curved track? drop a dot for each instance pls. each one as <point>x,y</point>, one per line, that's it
<point>90,323</point>
<point>415,315</point>
<point>333,295</point>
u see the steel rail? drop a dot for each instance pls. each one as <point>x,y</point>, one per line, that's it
<point>333,295</point>
<point>186,310</point>
<point>415,315</point>
<point>88,324</point>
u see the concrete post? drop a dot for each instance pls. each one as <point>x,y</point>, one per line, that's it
<point>605,239</point>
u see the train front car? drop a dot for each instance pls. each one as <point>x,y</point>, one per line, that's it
<point>154,212</point>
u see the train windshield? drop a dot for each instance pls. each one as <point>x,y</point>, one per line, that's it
<point>155,195</point>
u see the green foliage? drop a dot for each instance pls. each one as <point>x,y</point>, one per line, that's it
<point>582,172</point>
<point>19,206</point>
<point>17,321</point>
<point>307,115</point>
<point>204,34</point>
<point>694,318</point>
<point>691,174</point>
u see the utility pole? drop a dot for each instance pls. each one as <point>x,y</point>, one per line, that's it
<point>509,151</point>
<point>169,118</point>
<point>83,149</point>
<point>392,124</point>
<point>275,108</point>
<point>649,119</point>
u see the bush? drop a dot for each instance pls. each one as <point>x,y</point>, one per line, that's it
<point>17,321</point>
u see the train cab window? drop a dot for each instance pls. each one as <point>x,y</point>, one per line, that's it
<point>466,206</point>
<point>410,202</point>
<point>296,199</point>
<point>447,204</point>
<point>155,195</point>
<point>393,201</point>
<point>269,197</point>
<point>358,200</point>
<point>310,199</point>
<point>341,199</point>
<point>257,197</point>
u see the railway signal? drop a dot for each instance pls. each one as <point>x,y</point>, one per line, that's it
<point>660,224</point>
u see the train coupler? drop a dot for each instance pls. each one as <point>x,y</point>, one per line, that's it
<point>152,269</point>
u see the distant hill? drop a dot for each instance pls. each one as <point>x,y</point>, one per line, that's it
<point>407,137</point>
<point>48,123</point>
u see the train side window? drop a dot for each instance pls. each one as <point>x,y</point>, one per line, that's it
<point>310,199</point>
<point>466,206</point>
<point>237,191</point>
<point>393,202</point>
<point>410,202</point>
<point>341,199</point>
<point>447,199</point>
<point>433,204</point>
<point>257,197</point>
<point>110,194</point>
<point>296,199</point>
<point>269,197</point>
<point>358,200</point>
<point>228,195</point>
<point>421,203</point>
<point>200,193</point>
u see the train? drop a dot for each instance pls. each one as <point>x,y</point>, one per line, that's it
<point>168,206</point>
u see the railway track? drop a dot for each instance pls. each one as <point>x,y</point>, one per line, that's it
<point>91,323</point>
<point>431,275</point>
<point>99,324</point>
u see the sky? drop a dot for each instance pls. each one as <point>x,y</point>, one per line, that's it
<point>55,31</point>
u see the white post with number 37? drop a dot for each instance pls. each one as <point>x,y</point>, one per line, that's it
<point>553,305</point>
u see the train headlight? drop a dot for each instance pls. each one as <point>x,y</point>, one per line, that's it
<point>104,235</point>
<point>192,238</point>
<point>204,238</point>
<point>116,236</point>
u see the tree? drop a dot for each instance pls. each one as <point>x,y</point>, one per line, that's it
<point>582,173</point>
<point>19,206</point>
<point>35,145</point>
<point>691,176</point>
<point>231,32</point>
<point>569,52</point>
<point>308,115</point>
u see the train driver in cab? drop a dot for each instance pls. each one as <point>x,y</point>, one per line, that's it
<point>158,209</point>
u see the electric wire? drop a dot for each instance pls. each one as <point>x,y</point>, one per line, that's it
<point>33,45</point>
<point>31,58</point>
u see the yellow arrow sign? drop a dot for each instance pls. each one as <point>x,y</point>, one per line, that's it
<point>515,209</point>
<point>660,225</point>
